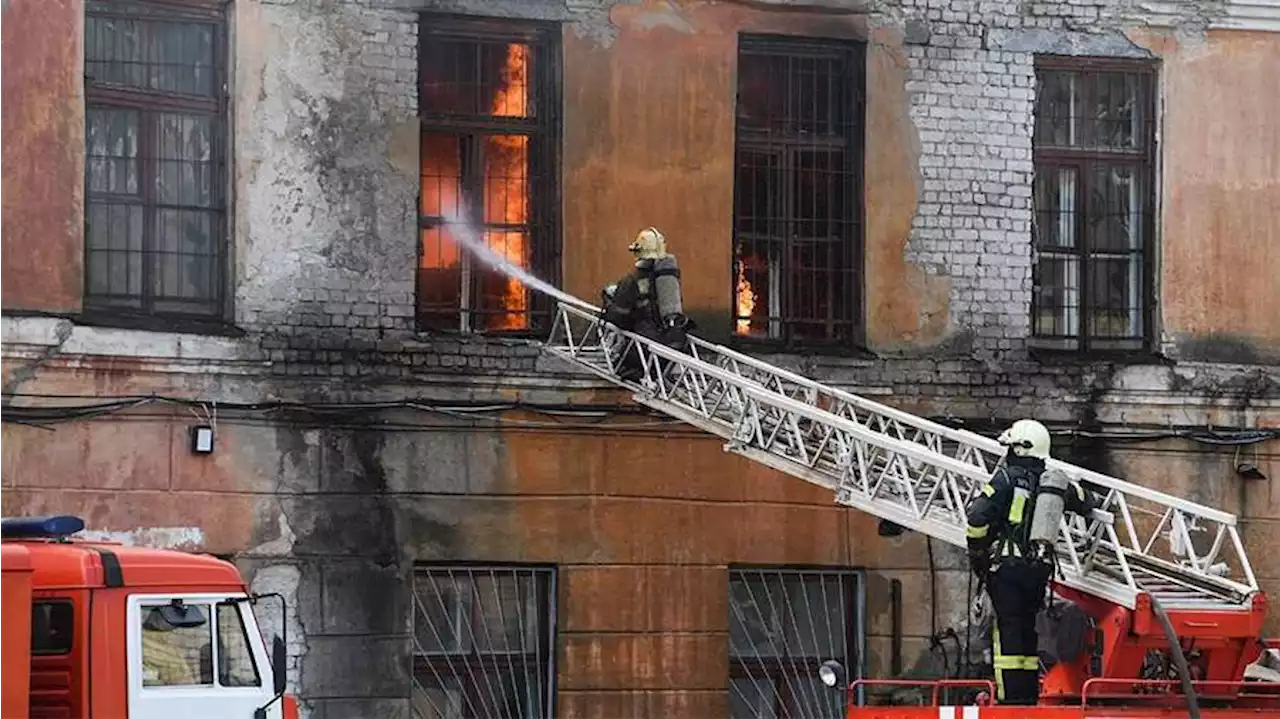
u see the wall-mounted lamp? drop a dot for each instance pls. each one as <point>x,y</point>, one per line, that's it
<point>1249,470</point>
<point>202,439</point>
<point>1246,469</point>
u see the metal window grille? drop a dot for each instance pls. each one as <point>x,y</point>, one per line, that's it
<point>155,169</point>
<point>1094,197</point>
<point>489,100</point>
<point>797,192</point>
<point>783,624</point>
<point>484,642</point>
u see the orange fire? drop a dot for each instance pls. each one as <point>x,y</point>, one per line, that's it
<point>506,186</point>
<point>505,201</point>
<point>746,300</point>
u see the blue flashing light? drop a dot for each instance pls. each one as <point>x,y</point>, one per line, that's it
<point>40,527</point>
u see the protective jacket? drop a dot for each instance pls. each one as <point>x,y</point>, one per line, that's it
<point>648,301</point>
<point>1000,517</point>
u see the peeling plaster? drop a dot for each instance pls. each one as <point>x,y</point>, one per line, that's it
<point>61,333</point>
<point>285,580</point>
<point>281,545</point>
<point>185,538</point>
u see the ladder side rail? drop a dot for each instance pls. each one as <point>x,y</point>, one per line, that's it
<point>762,398</point>
<point>978,442</point>
<point>968,437</point>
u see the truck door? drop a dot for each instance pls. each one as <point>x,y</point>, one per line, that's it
<point>195,655</point>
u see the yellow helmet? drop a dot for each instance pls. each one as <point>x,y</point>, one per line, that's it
<point>649,244</point>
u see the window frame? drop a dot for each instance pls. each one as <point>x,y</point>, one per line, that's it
<point>149,103</point>
<point>441,665</point>
<point>779,670</point>
<point>786,146</point>
<point>1144,164</point>
<point>544,130</point>
<point>52,602</point>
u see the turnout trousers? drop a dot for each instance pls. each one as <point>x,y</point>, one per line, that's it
<point>1017,590</point>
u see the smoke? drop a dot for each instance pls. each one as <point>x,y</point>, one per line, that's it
<point>470,239</point>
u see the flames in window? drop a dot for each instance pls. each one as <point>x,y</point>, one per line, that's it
<point>745,300</point>
<point>506,190</point>
<point>486,173</point>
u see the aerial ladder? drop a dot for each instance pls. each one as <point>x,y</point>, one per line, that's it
<point>1144,566</point>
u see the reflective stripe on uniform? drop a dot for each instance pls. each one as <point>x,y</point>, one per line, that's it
<point>988,489</point>
<point>1002,662</point>
<point>1018,504</point>
<point>973,532</point>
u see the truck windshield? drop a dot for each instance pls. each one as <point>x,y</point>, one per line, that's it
<point>178,643</point>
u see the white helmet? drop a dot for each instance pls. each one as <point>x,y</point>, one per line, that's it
<point>1028,438</point>
<point>649,244</point>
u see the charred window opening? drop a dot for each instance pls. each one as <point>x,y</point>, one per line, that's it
<point>489,103</point>
<point>484,642</point>
<point>155,129</point>
<point>797,192</point>
<point>783,624</point>
<point>1094,200</point>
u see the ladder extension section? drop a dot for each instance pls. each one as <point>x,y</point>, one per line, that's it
<point>914,472</point>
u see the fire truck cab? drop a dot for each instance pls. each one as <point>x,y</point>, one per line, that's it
<point>100,629</point>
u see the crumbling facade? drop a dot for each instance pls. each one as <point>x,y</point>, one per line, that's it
<point>973,210</point>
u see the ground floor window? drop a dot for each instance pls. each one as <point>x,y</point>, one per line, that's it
<point>783,624</point>
<point>484,642</point>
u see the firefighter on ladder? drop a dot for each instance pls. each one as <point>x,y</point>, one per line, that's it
<point>1013,524</point>
<point>648,300</point>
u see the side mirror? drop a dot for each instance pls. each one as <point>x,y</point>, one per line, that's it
<point>279,661</point>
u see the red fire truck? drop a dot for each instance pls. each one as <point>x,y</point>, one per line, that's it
<point>99,629</point>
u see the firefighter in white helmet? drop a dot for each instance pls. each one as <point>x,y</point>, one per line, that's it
<point>1014,565</point>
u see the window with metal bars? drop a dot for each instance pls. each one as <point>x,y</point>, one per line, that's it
<point>489,100</point>
<point>1094,197</point>
<point>155,129</point>
<point>783,624</point>
<point>797,235</point>
<point>484,642</point>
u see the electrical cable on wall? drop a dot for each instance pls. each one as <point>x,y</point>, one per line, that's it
<point>56,409</point>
